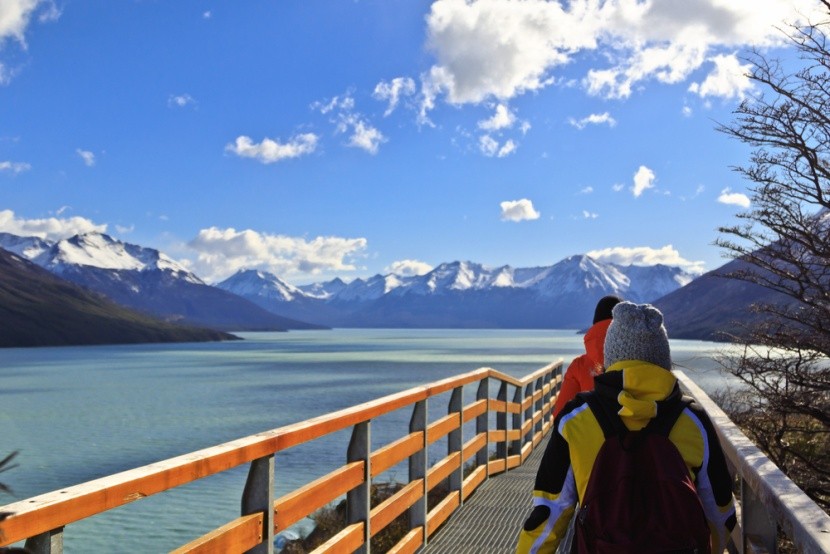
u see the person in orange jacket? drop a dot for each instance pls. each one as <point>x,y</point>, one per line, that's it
<point>579,377</point>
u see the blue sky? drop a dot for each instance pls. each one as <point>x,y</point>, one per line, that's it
<point>348,138</point>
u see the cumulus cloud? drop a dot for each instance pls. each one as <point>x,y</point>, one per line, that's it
<point>365,137</point>
<point>87,156</point>
<point>728,79</point>
<point>589,215</point>
<point>490,147</point>
<point>180,100</point>
<point>362,134</point>
<point>393,91</point>
<point>269,151</point>
<point>733,198</point>
<point>503,48</point>
<point>518,210</point>
<point>408,268</point>
<point>52,228</point>
<point>643,180</point>
<point>593,119</point>
<point>222,252</point>
<point>503,118</point>
<point>646,256</point>
<point>14,167</point>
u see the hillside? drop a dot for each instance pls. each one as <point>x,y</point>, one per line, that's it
<point>39,309</point>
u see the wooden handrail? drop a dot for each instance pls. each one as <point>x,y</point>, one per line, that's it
<point>55,510</point>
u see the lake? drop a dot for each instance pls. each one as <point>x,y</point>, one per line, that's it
<point>79,413</point>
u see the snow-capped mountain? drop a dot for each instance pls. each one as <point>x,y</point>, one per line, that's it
<point>146,280</point>
<point>464,294</point>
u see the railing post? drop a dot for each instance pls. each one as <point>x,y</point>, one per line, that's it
<point>528,438</point>
<point>501,424</point>
<point>757,527</point>
<point>358,499</point>
<point>50,542</point>
<point>516,445</point>
<point>455,438</point>
<point>546,380</point>
<point>258,496</point>
<point>539,407</point>
<point>418,468</point>
<point>483,423</point>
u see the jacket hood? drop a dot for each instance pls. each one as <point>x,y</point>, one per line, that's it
<point>638,387</point>
<point>594,340</point>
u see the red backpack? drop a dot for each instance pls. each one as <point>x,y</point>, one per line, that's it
<point>640,497</point>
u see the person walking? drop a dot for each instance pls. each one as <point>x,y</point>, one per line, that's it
<point>579,377</point>
<point>636,390</point>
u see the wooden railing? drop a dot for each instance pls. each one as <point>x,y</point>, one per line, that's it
<point>522,409</point>
<point>769,500</point>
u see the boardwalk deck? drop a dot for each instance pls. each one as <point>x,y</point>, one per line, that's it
<point>490,519</point>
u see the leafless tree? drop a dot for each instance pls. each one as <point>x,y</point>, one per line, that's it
<point>784,238</point>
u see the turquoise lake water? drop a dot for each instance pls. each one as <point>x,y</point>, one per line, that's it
<point>79,413</point>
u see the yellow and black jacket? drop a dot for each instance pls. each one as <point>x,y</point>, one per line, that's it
<point>577,437</point>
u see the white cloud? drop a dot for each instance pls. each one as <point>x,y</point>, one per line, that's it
<point>366,137</point>
<point>643,180</point>
<point>518,210</point>
<point>617,187</point>
<point>646,256</point>
<point>393,91</point>
<point>728,79</point>
<point>686,111</point>
<point>490,147</point>
<point>589,215</point>
<point>180,100</point>
<point>51,228</point>
<point>733,198</point>
<point>269,151</point>
<point>503,118</point>
<point>587,190</point>
<point>593,119</point>
<point>14,167</point>
<point>499,49</point>
<point>207,15</point>
<point>15,16</point>
<point>408,268</point>
<point>122,230</point>
<point>87,156</point>
<point>222,252</point>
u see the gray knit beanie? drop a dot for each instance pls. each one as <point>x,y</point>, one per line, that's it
<point>637,333</point>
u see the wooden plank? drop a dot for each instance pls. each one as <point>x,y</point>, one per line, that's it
<point>443,469</point>
<point>442,427</point>
<point>513,408</point>
<point>294,506</point>
<point>498,405</point>
<point>527,403</point>
<point>475,409</point>
<point>514,435</point>
<point>410,543</point>
<point>496,436</point>
<point>395,452</point>
<point>472,482</point>
<point>496,466</point>
<point>238,535</point>
<point>347,540</point>
<point>473,445</point>
<point>514,461</point>
<point>526,426</point>
<point>442,511</point>
<point>526,450</point>
<point>384,513</point>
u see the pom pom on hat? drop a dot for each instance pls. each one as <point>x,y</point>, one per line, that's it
<point>637,333</point>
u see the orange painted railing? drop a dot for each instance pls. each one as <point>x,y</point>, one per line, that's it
<point>522,409</point>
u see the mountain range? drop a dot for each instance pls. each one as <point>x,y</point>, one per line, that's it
<point>146,280</point>
<point>463,294</point>
<point>39,309</point>
<point>452,295</point>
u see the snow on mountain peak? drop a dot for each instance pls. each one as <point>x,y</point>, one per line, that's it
<point>257,283</point>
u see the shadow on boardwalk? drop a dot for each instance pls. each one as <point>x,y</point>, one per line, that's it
<point>490,520</point>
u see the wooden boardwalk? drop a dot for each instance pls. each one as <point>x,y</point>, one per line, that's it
<point>490,520</point>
